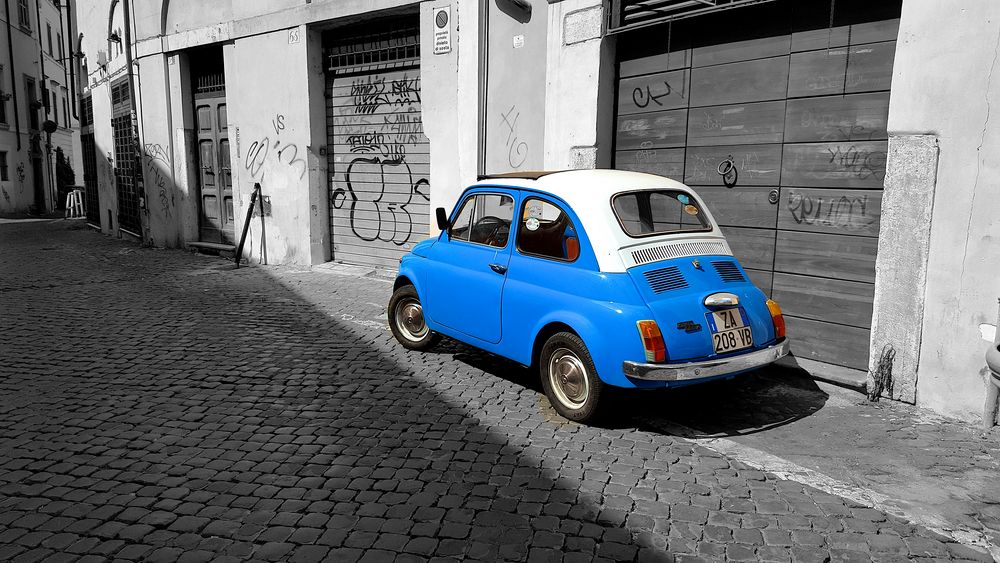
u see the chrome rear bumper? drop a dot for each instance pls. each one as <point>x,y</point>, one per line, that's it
<point>710,368</point>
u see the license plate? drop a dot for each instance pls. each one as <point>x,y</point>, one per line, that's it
<point>729,332</point>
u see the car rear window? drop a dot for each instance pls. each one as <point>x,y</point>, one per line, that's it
<point>653,212</point>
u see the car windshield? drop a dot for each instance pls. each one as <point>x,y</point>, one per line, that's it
<point>653,212</point>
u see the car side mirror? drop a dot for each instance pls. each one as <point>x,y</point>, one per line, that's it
<point>442,218</point>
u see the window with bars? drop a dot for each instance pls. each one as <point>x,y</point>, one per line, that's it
<point>4,173</point>
<point>393,41</point>
<point>89,150</point>
<point>128,196</point>
<point>125,159</point>
<point>90,178</point>
<point>23,14</point>
<point>86,111</point>
<point>120,94</point>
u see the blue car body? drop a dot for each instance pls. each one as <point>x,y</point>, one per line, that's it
<point>507,302</point>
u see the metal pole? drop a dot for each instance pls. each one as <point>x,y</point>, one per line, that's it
<point>246,223</point>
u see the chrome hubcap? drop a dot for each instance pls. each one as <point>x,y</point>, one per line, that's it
<point>410,320</point>
<point>568,378</point>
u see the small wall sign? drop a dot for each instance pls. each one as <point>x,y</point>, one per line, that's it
<point>442,30</point>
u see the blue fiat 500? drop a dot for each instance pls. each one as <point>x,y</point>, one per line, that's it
<point>597,277</point>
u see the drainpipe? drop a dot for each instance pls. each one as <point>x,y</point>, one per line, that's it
<point>13,75</point>
<point>71,62</point>
<point>62,49</point>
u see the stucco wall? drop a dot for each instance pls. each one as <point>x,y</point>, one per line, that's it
<point>450,102</point>
<point>164,199</point>
<point>579,92</point>
<point>515,86</point>
<point>268,87</point>
<point>951,89</point>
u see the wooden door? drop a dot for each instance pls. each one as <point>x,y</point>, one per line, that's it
<point>214,171</point>
<point>798,108</point>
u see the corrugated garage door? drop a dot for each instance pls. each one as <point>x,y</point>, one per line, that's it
<point>789,100</point>
<point>378,156</point>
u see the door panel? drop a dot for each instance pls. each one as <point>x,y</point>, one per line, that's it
<point>214,171</point>
<point>465,285</point>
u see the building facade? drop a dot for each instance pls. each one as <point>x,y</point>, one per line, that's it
<point>38,111</point>
<point>807,125</point>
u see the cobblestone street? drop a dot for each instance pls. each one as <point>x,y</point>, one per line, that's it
<point>159,405</point>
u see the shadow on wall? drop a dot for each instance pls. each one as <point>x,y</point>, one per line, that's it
<point>164,202</point>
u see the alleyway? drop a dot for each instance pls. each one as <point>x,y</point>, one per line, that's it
<point>158,405</point>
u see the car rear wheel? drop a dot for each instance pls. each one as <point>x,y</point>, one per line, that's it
<point>569,377</point>
<point>406,320</point>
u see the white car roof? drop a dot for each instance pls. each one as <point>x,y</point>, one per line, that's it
<point>589,193</point>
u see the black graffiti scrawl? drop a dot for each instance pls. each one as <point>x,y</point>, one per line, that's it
<point>380,214</point>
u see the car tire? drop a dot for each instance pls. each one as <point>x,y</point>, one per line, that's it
<point>406,320</point>
<point>569,377</point>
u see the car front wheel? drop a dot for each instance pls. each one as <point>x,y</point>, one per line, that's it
<point>406,320</point>
<point>569,377</point>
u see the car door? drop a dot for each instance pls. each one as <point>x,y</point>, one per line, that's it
<point>465,286</point>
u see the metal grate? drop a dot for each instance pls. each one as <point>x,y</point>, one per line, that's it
<point>120,94</point>
<point>631,14</point>
<point>128,196</point>
<point>86,111</point>
<point>208,83</point>
<point>728,271</point>
<point>677,250</point>
<point>665,279</point>
<point>396,41</point>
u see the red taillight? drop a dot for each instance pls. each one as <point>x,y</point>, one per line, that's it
<point>652,341</point>
<point>777,318</point>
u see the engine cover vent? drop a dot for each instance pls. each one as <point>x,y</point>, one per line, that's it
<point>665,279</point>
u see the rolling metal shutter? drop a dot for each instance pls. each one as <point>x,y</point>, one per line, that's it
<point>793,98</point>
<point>378,155</point>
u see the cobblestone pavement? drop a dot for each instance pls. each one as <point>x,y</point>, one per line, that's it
<point>157,405</point>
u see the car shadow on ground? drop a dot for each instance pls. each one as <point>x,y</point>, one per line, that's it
<point>745,404</point>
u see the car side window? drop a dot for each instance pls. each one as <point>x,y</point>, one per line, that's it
<point>545,230</point>
<point>484,219</point>
<point>459,229</point>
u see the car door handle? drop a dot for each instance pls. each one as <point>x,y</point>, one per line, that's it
<point>499,268</point>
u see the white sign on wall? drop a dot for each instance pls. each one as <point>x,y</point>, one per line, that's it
<point>442,30</point>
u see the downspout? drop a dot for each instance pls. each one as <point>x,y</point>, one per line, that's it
<point>62,28</point>
<point>13,75</point>
<point>41,62</point>
<point>72,57</point>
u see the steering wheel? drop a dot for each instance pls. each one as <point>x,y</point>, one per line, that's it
<point>495,226</point>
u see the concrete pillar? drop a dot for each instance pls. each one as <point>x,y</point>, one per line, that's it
<point>580,87</point>
<point>901,263</point>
